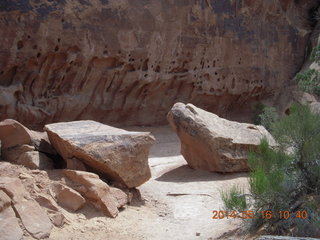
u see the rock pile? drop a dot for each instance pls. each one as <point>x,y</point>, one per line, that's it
<point>212,143</point>
<point>34,196</point>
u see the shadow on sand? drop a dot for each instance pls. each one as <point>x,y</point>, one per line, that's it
<point>186,174</point>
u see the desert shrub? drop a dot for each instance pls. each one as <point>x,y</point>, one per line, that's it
<point>315,54</point>
<point>286,178</point>
<point>257,109</point>
<point>234,199</point>
<point>264,115</point>
<point>268,116</point>
<point>309,81</point>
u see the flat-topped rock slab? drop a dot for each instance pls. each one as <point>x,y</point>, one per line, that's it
<point>119,154</point>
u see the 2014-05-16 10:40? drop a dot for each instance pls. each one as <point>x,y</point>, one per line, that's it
<point>263,214</point>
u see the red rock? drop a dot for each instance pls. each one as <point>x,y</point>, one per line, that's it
<point>219,55</point>
<point>9,226</point>
<point>75,164</point>
<point>33,217</point>
<point>118,154</point>
<point>12,134</point>
<point>27,156</point>
<point>120,196</point>
<point>57,219</point>
<point>5,201</point>
<point>95,190</point>
<point>46,201</point>
<point>212,143</point>
<point>70,198</point>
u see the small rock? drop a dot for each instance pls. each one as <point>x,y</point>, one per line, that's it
<point>27,156</point>
<point>120,196</point>
<point>95,190</point>
<point>70,198</point>
<point>46,201</point>
<point>25,176</point>
<point>197,234</point>
<point>57,219</point>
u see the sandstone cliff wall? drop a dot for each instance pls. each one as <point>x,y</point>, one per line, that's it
<point>129,61</point>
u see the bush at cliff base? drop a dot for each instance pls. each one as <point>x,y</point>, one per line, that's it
<point>284,184</point>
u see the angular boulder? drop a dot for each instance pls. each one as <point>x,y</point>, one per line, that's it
<point>12,133</point>
<point>104,198</point>
<point>69,198</point>
<point>27,156</point>
<point>120,155</point>
<point>212,143</point>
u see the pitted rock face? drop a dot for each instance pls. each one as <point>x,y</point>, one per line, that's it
<point>128,61</point>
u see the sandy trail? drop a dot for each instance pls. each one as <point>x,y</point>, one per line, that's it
<point>178,201</point>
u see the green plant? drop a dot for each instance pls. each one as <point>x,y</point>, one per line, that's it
<point>234,199</point>
<point>257,109</point>
<point>287,178</point>
<point>268,116</point>
<point>309,81</point>
<point>315,54</point>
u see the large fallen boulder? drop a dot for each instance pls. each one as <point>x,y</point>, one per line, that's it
<point>212,143</point>
<point>118,154</point>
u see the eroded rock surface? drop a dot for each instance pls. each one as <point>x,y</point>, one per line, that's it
<point>212,143</point>
<point>120,155</point>
<point>130,61</point>
<point>33,217</point>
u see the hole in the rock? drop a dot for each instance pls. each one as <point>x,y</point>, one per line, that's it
<point>38,54</point>
<point>146,75</point>
<point>59,39</point>
<point>56,49</point>
<point>35,47</point>
<point>215,73</point>
<point>105,52</point>
<point>145,65</point>
<point>218,79</point>
<point>62,20</point>
<point>20,45</point>
<point>157,69</point>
